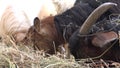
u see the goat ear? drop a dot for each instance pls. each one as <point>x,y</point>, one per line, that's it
<point>103,38</point>
<point>37,23</point>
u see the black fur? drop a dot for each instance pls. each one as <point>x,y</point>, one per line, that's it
<point>96,3</point>
<point>81,46</point>
<point>70,20</point>
<point>67,22</point>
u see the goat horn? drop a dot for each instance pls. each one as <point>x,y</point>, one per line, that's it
<point>92,18</point>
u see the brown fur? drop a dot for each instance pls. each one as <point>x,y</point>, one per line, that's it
<point>43,35</point>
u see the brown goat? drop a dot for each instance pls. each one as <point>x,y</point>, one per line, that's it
<point>43,35</point>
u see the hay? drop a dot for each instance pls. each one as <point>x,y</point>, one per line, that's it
<point>26,57</point>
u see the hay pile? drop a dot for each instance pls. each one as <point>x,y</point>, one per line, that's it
<point>25,57</point>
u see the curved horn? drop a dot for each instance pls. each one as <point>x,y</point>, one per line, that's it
<point>92,18</point>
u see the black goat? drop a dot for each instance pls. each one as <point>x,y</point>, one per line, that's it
<point>90,43</point>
